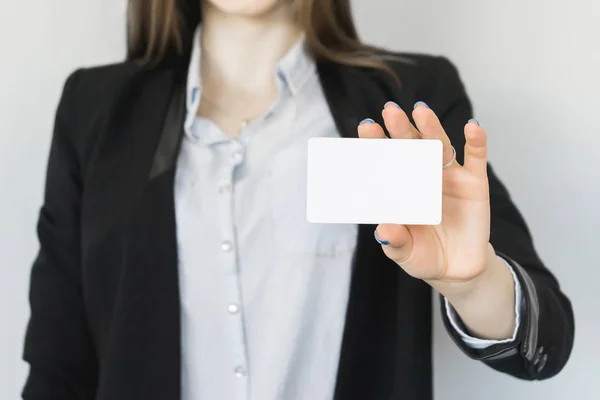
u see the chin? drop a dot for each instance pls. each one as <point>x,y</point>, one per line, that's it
<point>249,8</point>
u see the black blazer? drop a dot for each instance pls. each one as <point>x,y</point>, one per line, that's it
<point>104,287</point>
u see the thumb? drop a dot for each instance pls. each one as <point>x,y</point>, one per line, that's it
<point>396,241</point>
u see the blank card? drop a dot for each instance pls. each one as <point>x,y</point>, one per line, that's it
<point>373,181</point>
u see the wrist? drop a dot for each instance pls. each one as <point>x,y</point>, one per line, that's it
<point>459,291</point>
<point>486,304</point>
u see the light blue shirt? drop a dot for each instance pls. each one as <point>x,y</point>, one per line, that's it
<point>263,292</point>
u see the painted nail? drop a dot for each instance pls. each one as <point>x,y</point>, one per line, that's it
<point>421,103</point>
<point>474,120</point>
<point>366,121</point>
<point>383,242</point>
<point>391,103</point>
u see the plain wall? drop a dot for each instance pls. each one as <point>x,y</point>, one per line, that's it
<point>530,67</point>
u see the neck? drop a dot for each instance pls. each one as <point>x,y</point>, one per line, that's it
<point>240,53</point>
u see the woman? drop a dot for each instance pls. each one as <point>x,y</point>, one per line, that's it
<point>176,261</point>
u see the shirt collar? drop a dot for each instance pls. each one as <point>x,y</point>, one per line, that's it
<point>293,70</point>
<point>296,66</point>
<point>193,77</point>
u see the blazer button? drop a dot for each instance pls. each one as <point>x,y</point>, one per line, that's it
<point>538,355</point>
<point>542,363</point>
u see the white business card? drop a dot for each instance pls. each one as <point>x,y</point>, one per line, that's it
<point>374,181</point>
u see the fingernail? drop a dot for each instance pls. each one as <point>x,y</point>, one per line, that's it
<point>366,121</point>
<point>473,120</point>
<point>421,103</point>
<point>391,103</point>
<point>383,242</point>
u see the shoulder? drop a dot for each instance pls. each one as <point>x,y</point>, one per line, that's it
<point>99,82</point>
<point>89,98</point>
<point>419,66</point>
<point>427,77</point>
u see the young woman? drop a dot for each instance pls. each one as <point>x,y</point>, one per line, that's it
<point>176,261</point>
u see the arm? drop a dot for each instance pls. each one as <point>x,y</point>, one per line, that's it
<point>58,344</point>
<point>545,336</point>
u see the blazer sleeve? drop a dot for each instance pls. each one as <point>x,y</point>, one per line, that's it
<point>58,344</point>
<point>545,337</point>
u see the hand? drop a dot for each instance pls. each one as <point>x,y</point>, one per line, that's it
<point>458,249</point>
<point>455,257</point>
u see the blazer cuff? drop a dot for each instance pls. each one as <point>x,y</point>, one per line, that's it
<point>478,343</point>
<point>525,341</point>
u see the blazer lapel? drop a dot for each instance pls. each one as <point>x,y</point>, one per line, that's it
<point>367,361</point>
<point>133,178</point>
<point>121,161</point>
<point>152,242</point>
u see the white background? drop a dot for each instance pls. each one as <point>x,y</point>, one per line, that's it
<point>532,69</point>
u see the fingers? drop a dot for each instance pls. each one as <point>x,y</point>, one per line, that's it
<point>431,128</point>
<point>428,126</point>
<point>369,129</point>
<point>475,149</point>
<point>396,240</point>
<point>397,122</point>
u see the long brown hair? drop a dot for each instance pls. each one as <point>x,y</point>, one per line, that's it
<point>162,30</point>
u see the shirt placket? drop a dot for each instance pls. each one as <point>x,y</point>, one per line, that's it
<point>235,157</point>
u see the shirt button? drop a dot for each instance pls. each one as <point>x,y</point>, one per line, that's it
<point>233,308</point>
<point>237,157</point>
<point>226,246</point>
<point>240,371</point>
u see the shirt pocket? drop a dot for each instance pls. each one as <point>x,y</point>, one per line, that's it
<point>292,233</point>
